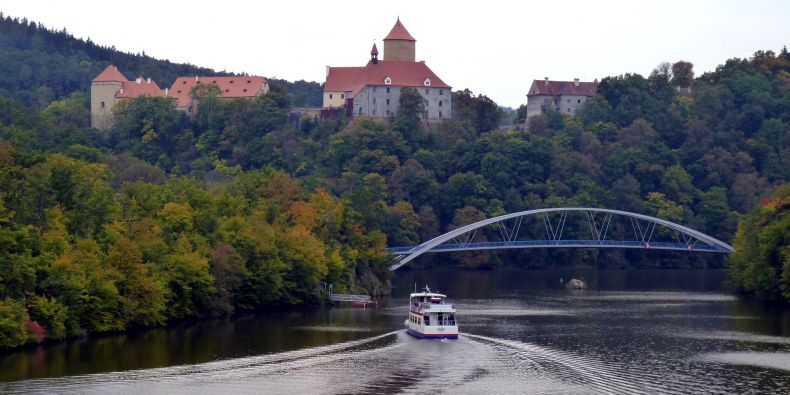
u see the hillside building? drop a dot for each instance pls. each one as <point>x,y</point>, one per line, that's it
<point>374,89</point>
<point>111,86</point>
<point>563,96</point>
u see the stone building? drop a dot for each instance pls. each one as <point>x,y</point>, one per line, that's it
<point>111,86</point>
<point>563,96</point>
<point>374,90</point>
<point>229,88</point>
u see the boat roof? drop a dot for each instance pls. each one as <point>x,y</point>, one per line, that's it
<point>429,294</point>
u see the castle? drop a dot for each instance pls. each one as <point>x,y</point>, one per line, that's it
<point>374,89</point>
<point>565,97</point>
<point>111,86</point>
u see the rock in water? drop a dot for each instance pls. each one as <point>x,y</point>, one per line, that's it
<point>575,284</point>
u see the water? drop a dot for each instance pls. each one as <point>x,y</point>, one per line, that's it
<point>674,331</point>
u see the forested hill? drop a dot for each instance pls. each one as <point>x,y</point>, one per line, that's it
<point>38,65</point>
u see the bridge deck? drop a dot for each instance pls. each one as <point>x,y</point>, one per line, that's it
<point>564,244</point>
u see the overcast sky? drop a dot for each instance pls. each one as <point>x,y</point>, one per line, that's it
<point>492,47</point>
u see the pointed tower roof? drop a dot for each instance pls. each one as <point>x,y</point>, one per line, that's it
<point>399,32</point>
<point>375,50</point>
<point>111,73</point>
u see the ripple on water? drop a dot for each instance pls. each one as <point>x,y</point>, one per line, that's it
<point>332,328</point>
<point>735,336</point>
<point>773,360</point>
<point>664,296</point>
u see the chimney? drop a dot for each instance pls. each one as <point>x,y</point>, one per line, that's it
<point>138,80</point>
<point>576,82</point>
<point>148,81</point>
<point>327,71</point>
<point>166,89</point>
<point>546,80</point>
<point>197,78</point>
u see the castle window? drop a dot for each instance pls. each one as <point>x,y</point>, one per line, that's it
<point>427,82</point>
<point>388,102</point>
<point>360,111</point>
<point>387,81</point>
<point>580,100</point>
<point>330,96</point>
<point>440,103</point>
<point>342,95</point>
<point>440,114</point>
<point>231,81</point>
<point>374,100</point>
<point>427,91</point>
<point>102,105</point>
<point>388,90</point>
<point>374,89</point>
<point>388,112</point>
<point>374,111</point>
<point>441,92</point>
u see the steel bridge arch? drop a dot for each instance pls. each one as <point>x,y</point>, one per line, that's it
<point>411,253</point>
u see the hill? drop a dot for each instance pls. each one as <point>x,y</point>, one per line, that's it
<point>38,65</point>
<point>167,217</point>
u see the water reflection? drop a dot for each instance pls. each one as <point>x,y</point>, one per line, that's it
<point>631,332</point>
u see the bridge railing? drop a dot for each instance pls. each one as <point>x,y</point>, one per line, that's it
<point>661,245</point>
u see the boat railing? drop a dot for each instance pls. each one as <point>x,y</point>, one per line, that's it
<point>441,323</point>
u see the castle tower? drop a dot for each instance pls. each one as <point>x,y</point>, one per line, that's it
<point>399,45</point>
<point>103,90</point>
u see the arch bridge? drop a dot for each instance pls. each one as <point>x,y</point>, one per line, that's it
<point>523,230</point>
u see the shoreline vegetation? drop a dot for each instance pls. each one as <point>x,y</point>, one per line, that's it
<point>166,217</point>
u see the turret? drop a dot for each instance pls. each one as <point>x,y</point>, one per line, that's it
<point>374,54</point>
<point>399,45</point>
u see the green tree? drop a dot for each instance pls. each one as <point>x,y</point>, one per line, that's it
<point>411,111</point>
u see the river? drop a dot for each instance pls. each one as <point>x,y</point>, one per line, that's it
<point>639,331</point>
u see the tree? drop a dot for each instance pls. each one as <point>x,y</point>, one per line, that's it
<point>682,74</point>
<point>411,111</point>
<point>760,264</point>
<point>143,296</point>
<point>480,111</point>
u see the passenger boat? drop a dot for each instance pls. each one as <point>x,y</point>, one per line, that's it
<point>431,317</point>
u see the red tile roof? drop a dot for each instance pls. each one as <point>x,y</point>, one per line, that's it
<point>399,32</point>
<point>230,87</point>
<point>554,88</point>
<point>139,87</point>
<point>354,79</point>
<point>111,73</point>
<point>375,50</point>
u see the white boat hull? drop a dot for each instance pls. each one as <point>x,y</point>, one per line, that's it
<point>432,332</point>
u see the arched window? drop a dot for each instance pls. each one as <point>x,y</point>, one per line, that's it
<point>427,82</point>
<point>387,81</point>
